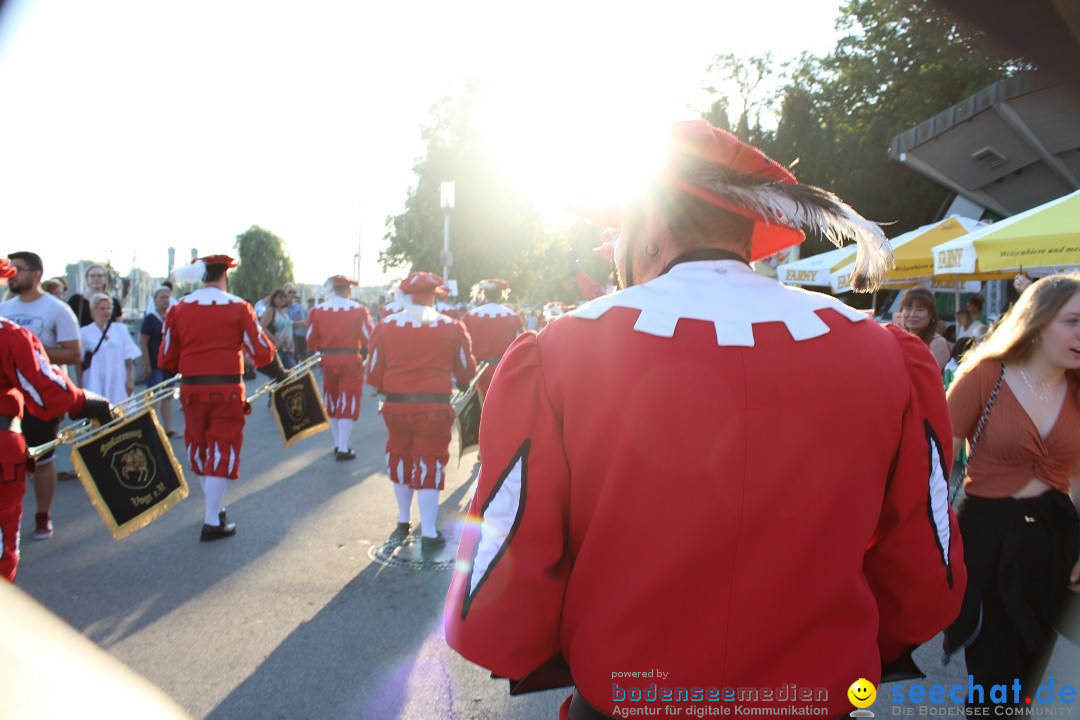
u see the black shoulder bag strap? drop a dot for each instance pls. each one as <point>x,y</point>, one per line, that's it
<point>102,338</point>
<point>979,428</point>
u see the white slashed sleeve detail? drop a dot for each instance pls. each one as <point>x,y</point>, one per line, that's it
<point>498,520</point>
<point>28,388</point>
<point>939,499</point>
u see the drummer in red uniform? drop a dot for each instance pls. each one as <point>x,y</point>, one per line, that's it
<point>492,326</point>
<point>204,339</point>
<point>340,329</point>
<point>415,355</point>
<point>651,495</point>
<point>28,383</point>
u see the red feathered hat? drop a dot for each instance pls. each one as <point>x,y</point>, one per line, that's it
<point>7,269</point>
<point>422,285</point>
<point>718,168</point>
<point>225,260</point>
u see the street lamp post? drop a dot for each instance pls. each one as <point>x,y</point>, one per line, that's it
<point>446,200</point>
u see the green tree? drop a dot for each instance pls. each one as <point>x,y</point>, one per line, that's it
<point>899,62</point>
<point>495,231</point>
<point>264,264</point>
<point>757,81</point>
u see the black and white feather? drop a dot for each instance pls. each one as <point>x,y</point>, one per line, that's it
<point>806,207</point>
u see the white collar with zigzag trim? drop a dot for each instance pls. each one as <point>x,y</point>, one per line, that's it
<point>726,293</point>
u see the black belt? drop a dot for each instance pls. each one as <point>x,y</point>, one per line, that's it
<point>581,710</point>
<point>417,398</point>
<point>10,423</point>
<point>340,351</point>
<point>210,380</point>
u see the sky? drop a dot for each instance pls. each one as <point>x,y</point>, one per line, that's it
<point>131,126</point>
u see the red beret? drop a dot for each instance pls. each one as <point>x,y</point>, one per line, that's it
<point>341,281</point>
<point>420,283</point>
<point>696,143</point>
<point>220,260</point>
<point>696,148</point>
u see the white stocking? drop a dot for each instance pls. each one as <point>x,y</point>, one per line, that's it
<point>215,488</point>
<point>429,511</point>
<point>404,495</point>
<point>344,430</point>
<point>333,430</point>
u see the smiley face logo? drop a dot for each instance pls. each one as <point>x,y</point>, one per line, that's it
<point>862,693</point>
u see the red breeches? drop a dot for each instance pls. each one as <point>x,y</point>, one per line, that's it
<point>343,386</point>
<point>214,430</point>
<point>418,443</point>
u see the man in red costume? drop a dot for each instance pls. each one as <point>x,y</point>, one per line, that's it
<point>414,355</point>
<point>658,493</point>
<point>492,326</point>
<point>340,329</point>
<point>204,339</point>
<point>28,382</point>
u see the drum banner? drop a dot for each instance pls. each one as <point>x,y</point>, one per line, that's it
<point>298,409</point>
<point>467,422</point>
<point>130,473</point>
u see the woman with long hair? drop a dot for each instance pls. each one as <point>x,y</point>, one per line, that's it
<point>1018,523</point>
<point>278,325</point>
<point>921,318</point>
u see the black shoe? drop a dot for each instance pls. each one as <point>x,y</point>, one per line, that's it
<point>347,455</point>
<point>434,543</point>
<point>401,532</point>
<point>216,532</point>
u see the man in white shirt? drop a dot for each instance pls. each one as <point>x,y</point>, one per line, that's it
<point>56,326</point>
<point>969,327</point>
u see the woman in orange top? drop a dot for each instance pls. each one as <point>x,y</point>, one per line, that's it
<point>1018,523</point>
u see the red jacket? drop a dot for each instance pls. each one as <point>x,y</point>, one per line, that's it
<point>736,483</point>
<point>28,382</point>
<point>492,328</point>
<point>339,324</point>
<point>207,332</point>
<point>411,356</point>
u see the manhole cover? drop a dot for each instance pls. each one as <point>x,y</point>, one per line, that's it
<point>407,554</point>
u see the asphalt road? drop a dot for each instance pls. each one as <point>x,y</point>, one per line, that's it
<point>292,618</point>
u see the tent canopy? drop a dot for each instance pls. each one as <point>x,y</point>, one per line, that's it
<point>1045,236</point>
<point>816,269</point>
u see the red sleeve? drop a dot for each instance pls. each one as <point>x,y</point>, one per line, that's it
<point>376,363</point>
<point>314,334</point>
<point>915,561</point>
<point>505,602</point>
<point>46,390</point>
<point>365,328</point>
<point>256,343</point>
<point>464,361</point>
<point>169,351</point>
